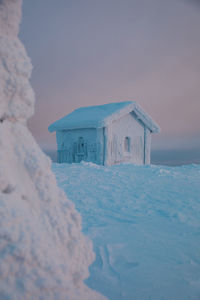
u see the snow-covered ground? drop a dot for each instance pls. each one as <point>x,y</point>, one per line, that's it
<point>144,222</point>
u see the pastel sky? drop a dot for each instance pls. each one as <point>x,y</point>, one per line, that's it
<point>90,52</point>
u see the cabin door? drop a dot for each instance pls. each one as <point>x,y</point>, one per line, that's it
<point>80,150</point>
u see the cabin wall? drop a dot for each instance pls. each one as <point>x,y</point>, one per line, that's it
<point>80,145</point>
<point>147,136</point>
<point>125,141</point>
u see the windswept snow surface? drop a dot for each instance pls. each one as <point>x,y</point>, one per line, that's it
<point>145,225</point>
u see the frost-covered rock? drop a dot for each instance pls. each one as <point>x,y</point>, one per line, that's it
<point>43,254</point>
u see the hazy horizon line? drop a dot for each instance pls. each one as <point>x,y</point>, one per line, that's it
<point>158,157</point>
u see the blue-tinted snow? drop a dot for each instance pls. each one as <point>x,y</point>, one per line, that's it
<point>145,226</point>
<point>101,115</point>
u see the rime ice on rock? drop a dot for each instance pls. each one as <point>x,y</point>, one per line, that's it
<point>43,254</point>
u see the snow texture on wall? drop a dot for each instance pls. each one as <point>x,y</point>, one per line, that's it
<point>147,148</point>
<point>43,254</point>
<point>125,141</point>
<point>80,144</point>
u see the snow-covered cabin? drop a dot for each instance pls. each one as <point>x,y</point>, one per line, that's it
<point>105,134</point>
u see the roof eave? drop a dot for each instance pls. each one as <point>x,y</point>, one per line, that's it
<point>146,119</point>
<point>133,106</point>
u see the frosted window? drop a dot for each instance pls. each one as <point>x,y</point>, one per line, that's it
<point>127,144</point>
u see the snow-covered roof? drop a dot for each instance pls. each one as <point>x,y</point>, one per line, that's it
<point>101,116</point>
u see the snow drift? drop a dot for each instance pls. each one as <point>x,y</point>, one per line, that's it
<point>43,254</point>
<point>145,226</point>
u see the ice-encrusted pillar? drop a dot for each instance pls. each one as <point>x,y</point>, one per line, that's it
<point>43,254</point>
